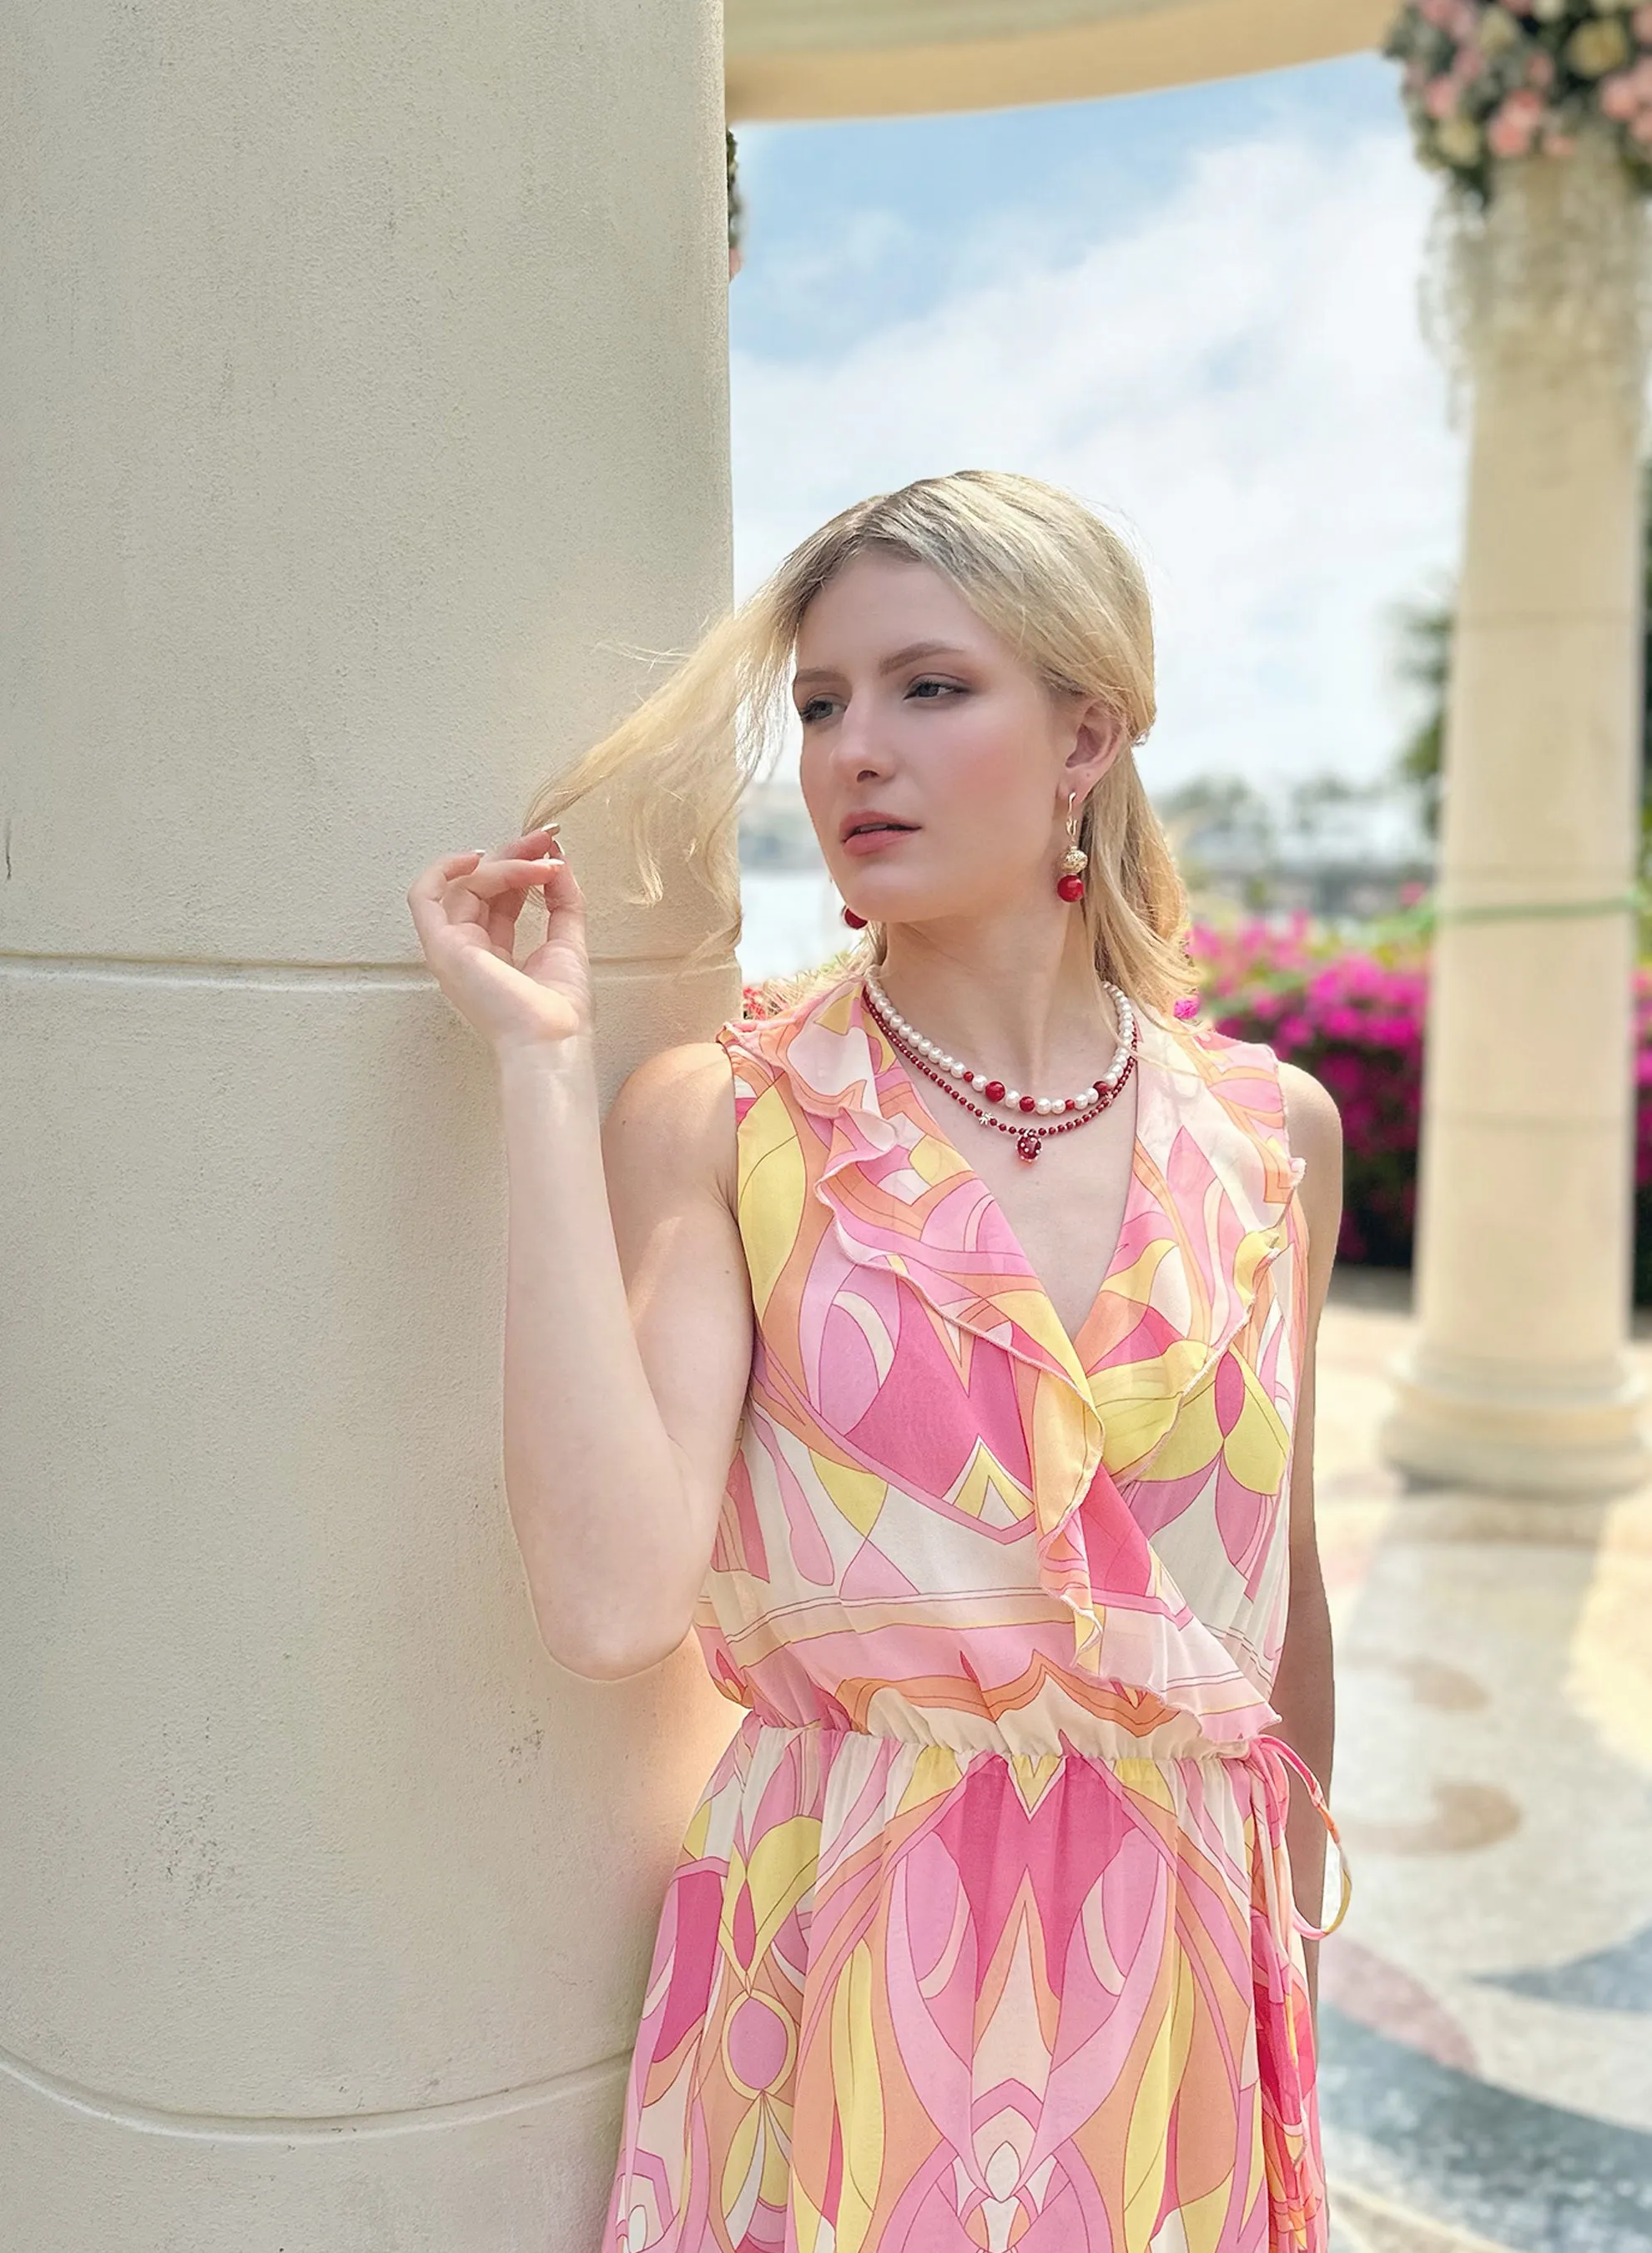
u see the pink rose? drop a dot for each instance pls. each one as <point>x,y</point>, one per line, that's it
<point>1619,96</point>
<point>1540,70</point>
<point>1526,103</point>
<point>1439,97</point>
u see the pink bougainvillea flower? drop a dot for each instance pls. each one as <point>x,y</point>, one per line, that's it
<point>1187,1005</point>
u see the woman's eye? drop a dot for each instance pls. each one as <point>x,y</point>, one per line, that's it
<point>929,690</point>
<point>815,708</point>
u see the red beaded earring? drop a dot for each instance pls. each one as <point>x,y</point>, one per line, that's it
<point>854,922</point>
<point>1074,861</point>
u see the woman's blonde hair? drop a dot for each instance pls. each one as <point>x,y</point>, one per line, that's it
<point>1045,574</point>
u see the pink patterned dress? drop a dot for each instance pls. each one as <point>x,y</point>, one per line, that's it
<point>981,1936</point>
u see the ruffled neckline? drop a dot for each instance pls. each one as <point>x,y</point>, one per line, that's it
<point>844,1073</point>
<point>902,1198</point>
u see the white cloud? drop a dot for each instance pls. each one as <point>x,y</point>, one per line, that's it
<point>1237,378</point>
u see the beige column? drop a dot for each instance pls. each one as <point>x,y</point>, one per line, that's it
<point>364,382</point>
<point>1520,1378</point>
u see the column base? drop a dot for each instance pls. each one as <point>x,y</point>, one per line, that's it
<point>1518,1431</point>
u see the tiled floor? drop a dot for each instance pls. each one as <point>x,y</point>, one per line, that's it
<point>1486,2010</point>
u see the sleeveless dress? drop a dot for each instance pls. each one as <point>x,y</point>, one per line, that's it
<point>981,1935</point>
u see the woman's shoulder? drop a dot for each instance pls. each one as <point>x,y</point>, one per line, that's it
<point>1234,1056</point>
<point>1273,1100</point>
<point>1313,1123</point>
<point>1220,1058</point>
<point>673,1117</point>
<point>680,1110</point>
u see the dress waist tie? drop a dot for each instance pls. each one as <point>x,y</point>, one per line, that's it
<point>1293,1759</point>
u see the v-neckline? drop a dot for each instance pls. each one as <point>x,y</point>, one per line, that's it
<point>932,1127</point>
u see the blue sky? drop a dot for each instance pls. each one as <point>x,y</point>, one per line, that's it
<point>1196,308</point>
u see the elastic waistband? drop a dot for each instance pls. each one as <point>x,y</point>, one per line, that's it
<point>1266,1749</point>
<point>1128,1749</point>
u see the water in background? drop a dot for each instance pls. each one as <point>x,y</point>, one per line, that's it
<point>792,919</point>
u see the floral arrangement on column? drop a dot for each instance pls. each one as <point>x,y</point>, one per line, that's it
<point>1501,79</point>
<point>1537,114</point>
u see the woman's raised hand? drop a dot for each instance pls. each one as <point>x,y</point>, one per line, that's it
<point>465,909</point>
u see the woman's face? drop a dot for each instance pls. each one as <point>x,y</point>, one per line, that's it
<point>913,708</point>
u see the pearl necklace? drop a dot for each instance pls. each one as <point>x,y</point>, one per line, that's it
<point>935,1063</point>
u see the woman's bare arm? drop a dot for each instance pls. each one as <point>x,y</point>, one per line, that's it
<point>628,1322</point>
<point>628,1335</point>
<point>1302,1688</point>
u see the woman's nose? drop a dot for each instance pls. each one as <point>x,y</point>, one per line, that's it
<point>856,747</point>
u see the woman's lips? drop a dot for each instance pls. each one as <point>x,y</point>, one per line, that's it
<point>874,841</point>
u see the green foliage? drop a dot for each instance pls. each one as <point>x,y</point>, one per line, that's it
<point>737,206</point>
<point>1424,662</point>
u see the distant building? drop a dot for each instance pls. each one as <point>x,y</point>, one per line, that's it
<point>1342,850</point>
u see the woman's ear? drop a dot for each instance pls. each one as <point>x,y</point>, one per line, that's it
<point>1099,737</point>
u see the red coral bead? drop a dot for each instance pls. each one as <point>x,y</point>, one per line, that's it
<point>1071,1104</point>
<point>994,1091</point>
<point>1029,1103</point>
<point>1071,888</point>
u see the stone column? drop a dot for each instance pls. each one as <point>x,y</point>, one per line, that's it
<point>363,377</point>
<point>1520,1378</point>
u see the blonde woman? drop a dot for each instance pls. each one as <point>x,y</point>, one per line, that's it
<point>941,1348</point>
